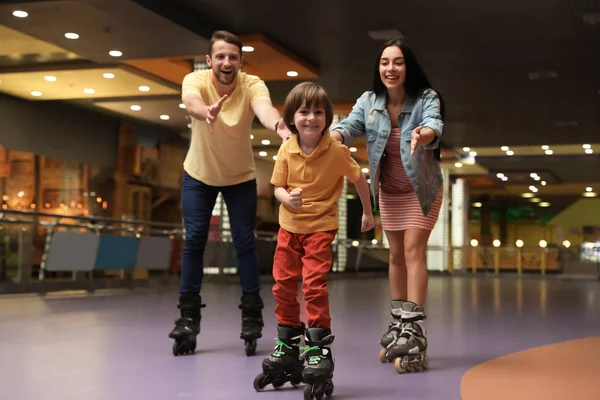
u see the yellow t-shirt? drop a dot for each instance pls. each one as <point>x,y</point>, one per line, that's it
<point>320,175</point>
<point>223,157</point>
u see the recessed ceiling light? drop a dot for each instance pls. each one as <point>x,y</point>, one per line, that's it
<point>189,125</point>
<point>533,174</point>
<point>292,73</point>
<point>500,175</point>
<point>262,153</point>
<point>589,189</point>
<point>587,146</point>
<point>473,153</point>
<point>544,204</point>
<point>527,195</point>
<point>275,158</point>
<point>50,78</point>
<point>20,14</point>
<point>549,152</point>
<point>533,189</point>
<point>589,151</point>
<point>466,149</point>
<point>247,49</point>
<point>89,91</point>
<point>510,153</point>
<point>143,88</point>
<point>458,165</point>
<point>266,142</point>
<point>181,105</point>
<point>135,108</point>
<point>477,204</point>
<point>71,35</point>
<point>590,194</point>
<point>365,170</point>
<point>545,147</point>
<point>108,75</point>
<point>504,178</point>
<point>115,53</point>
<point>251,137</point>
<point>504,148</point>
<point>164,117</point>
<point>535,200</point>
<point>543,183</point>
<point>353,149</point>
<point>36,93</point>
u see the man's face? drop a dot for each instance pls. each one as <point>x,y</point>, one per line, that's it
<point>225,61</point>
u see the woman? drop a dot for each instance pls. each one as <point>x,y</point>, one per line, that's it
<point>402,118</point>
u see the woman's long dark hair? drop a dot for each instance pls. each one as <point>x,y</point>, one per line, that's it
<point>415,82</point>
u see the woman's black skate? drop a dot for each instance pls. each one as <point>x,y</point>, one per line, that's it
<point>187,327</point>
<point>318,372</point>
<point>252,322</point>
<point>393,331</point>
<point>284,364</point>
<point>409,351</point>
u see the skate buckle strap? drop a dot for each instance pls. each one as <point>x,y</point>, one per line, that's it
<point>278,348</point>
<point>409,316</point>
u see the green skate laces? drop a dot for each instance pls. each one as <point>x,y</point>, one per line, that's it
<point>279,348</point>
<point>312,360</point>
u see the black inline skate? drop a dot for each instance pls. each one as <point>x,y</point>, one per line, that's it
<point>409,351</point>
<point>393,332</point>
<point>318,372</point>
<point>187,327</point>
<point>252,322</point>
<point>284,364</point>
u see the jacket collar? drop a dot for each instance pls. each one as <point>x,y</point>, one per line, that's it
<point>380,103</point>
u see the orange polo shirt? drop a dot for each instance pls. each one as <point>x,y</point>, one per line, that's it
<point>320,175</point>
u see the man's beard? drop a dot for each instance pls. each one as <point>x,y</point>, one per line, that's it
<point>226,79</point>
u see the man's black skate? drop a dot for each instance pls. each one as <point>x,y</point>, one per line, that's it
<point>252,322</point>
<point>284,364</point>
<point>409,351</point>
<point>393,331</point>
<point>187,327</point>
<point>318,372</point>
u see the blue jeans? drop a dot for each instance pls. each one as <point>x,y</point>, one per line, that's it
<point>198,201</point>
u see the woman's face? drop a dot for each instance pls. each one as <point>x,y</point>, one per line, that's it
<point>392,69</point>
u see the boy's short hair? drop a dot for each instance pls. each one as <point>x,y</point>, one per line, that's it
<point>227,37</point>
<point>312,94</point>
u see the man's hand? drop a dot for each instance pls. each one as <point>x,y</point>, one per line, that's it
<point>283,131</point>
<point>295,199</point>
<point>213,111</point>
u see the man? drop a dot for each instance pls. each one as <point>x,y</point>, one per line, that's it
<point>222,102</point>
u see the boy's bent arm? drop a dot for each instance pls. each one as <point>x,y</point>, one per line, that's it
<point>282,194</point>
<point>362,187</point>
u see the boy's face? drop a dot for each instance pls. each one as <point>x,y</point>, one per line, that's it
<point>310,121</point>
<point>225,61</point>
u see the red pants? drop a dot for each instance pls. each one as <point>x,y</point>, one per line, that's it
<point>309,255</point>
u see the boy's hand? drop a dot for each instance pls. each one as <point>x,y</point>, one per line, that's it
<point>295,199</point>
<point>368,222</point>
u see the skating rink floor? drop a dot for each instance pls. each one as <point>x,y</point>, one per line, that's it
<point>489,339</point>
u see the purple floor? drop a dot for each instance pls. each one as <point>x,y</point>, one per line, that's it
<point>115,345</point>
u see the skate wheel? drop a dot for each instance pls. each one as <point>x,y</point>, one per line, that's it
<point>296,382</point>
<point>308,391</point>
<point>181,347</point>
<point>425,365</point>
<point>398,365</point>
<point>278,384</point>
<point>259,382</point>
<point>250,348</point>
<point>383,356</point>
<point>329,389</point>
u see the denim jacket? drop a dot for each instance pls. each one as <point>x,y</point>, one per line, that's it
<point>369,117</point>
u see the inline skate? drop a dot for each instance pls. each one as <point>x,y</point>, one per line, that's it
<point>252,322</point>
<point>318,372</point>
<point>187,326</point>
<point>284,364</point>
<point>409,351</point>
<point>393,332</point>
